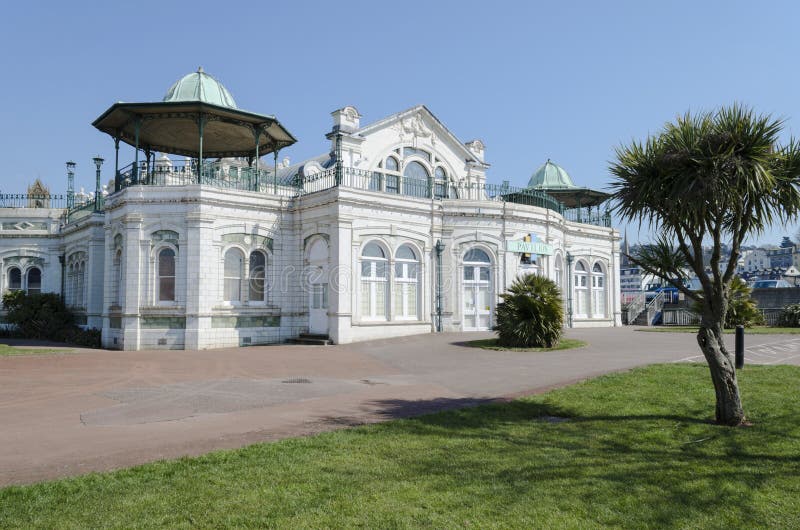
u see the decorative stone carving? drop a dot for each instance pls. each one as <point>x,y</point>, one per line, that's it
<point>414,126</point>
<point>24,225</point>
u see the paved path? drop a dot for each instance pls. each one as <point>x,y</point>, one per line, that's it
<point>779,349</point>
<point>70,413</point>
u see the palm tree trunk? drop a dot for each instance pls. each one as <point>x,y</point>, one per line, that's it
<point>729,404</point>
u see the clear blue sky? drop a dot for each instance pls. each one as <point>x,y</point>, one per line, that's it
<point>534,80</point>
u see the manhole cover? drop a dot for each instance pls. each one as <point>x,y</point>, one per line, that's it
<point>296,380</point>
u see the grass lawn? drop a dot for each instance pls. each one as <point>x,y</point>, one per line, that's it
<point>491,344</point>
<point>759,330</point>
<point>5,349</point>
<point>637,451</point>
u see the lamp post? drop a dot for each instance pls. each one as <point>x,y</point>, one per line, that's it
<point>569,289</point>
<point>70,184</point>
<point>439,247</point>
<point>98,191</point>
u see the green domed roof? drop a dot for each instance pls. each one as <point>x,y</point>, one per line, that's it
<point>550,176</point>
<point>199,86</point>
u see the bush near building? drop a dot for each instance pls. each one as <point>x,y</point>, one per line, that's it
<point>531,314</point>
<point>44,316</point>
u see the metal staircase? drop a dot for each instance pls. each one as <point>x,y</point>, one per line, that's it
<point>639,312</point>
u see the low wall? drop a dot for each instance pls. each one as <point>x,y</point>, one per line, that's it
<point>776,298</point>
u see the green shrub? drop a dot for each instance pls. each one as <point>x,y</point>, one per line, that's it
<point>531,314</point>
<point>88,338</point>
<point>44,316</point>
<point>790,316</point>
<point>742,310</point>
<point>37,315</point>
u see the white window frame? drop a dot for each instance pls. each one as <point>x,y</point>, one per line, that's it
<point>372,283</point>
<point>157,275</point>
<point>403,284</point>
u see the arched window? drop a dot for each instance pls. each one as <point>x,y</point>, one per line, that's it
<point>598,291</point>
<point>580,284</point>
<point>374,281</point>
<point>166,275</point>
<point>477,290</point>
<point>81,285</point>
<point>415,180</point>
<point>70,286</point>
<point>14,279</point>
<point>258,275</point>
<point>440,183</point>
<point>234,264</point>
<point>559,270</point>
<point>34,280</point>
<point>392,177</point>
<point>116,297</point>
<point>406,284</point>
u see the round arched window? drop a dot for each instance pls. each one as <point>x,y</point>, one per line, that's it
<point>374,281</point>
<point>406,279</point>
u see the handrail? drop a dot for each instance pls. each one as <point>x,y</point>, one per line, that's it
<point>635,307</point>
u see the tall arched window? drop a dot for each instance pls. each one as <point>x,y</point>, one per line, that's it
<point>416,180</point>
<point>440,183</point>
<point>34,280</point>
<point>580,283</point>
<point>166,275</point>
<point>257,276</point>
<point>374,281</point>
<point>392,177</point>
<point>70,286</point>
<point>14,279</point>
<point>234,265</point>
<point>477,290</point>
<point>406,284</point>
<point>598,292</point>
<point>81,285</point>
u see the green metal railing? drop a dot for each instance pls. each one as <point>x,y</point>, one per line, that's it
<point>84,209</point>
<point>237,178</point>
<point>264,181</point>
<point>26,200</point>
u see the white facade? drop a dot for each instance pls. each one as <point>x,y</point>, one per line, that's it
<point>198,266</point>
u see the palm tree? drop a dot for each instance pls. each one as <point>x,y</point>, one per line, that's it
<point>712,177</point>
<point>531,314</point>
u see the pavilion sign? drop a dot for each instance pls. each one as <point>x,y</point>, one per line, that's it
<point>529,247</point>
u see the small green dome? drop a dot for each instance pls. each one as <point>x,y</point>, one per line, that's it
<point>550,176</point>
<point>199,86</point>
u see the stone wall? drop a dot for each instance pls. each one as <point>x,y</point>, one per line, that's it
<point>776,298</point>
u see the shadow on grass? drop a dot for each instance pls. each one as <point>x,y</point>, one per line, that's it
<point>677,467</point>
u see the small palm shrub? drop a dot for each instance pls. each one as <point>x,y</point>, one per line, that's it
<point>531,314</point>
<point>742,310</point>
<point>790,316</point>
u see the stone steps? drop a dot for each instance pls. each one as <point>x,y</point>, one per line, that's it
<point>311,339</point>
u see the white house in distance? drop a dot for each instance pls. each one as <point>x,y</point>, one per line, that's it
<point>394,231</point>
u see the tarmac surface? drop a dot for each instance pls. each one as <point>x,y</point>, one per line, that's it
<point>77,411</point>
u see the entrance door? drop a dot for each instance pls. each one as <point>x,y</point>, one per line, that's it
<point>318,287</point>
<point>477,291</point>
<point>318,309</point>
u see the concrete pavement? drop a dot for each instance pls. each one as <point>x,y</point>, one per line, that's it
<point>70,413</point>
